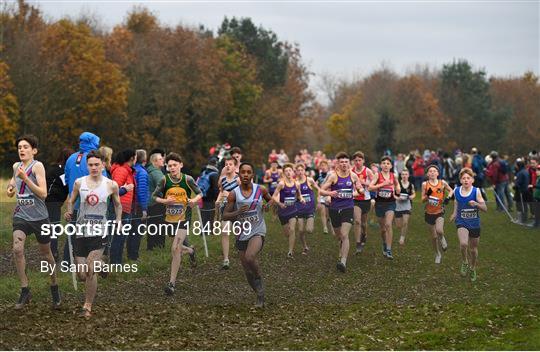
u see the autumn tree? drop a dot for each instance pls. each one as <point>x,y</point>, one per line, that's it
<point>9,114</point>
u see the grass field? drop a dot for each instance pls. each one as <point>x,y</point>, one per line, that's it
<point>408,303</point>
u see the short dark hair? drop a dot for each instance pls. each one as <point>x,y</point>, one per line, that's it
<point>386,157</point>
<point>236,150</point>
<point>30,138</point>
<point>342,155</point>
<point>245,163</point>
<point>64,154</point>
<point>124,156</point>
<point>157,151</point>
<point>228,157</point>
<point>173,156</point>
<point>94,154</point>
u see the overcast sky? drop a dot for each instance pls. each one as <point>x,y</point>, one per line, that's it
<point>349,39</point>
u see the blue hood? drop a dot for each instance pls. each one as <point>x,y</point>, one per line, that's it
<point>88,141</point>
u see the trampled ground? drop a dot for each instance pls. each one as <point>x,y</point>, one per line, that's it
<point>408,303</point>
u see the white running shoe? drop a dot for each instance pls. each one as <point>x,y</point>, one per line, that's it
<point>438,258</point>
<point>444,245</point>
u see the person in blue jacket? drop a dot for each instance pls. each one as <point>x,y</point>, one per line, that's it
<point>140,208</point>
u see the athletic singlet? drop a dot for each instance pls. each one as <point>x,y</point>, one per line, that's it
<point>434,204</point>
<point>344,187</point>
<point>254,216</point>
<point>386,193</point>
<point>362,175</point>
<point>287,196</point>
<point>274,176</point>
<point>29,206</point>
<point>229,185</point>
<point>93,209</point>
<point>466,215</point>
<point>308,195</point>
<point>404,203</point>
<point>181,192</point>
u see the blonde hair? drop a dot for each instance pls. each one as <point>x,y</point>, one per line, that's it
<point>467,171</point>
<point>106,154</point>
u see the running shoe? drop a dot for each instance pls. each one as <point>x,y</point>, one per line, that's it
<point>85,313</point>
<point>305,250</point>
<point>169,289</point>
<point>359,247</point>
<point>363,238</point>
<point>464,268</point>
<point>389,254</point>
<point>473,275</point>
<point>341,267</point>
<point>193,258</point>
<point>225,265</point>
<point>384,250</point>
<point>325,230</point>
<point>24,298</point>
<point>438,258</point>
<point>56,300</point>
<point>290,255</point>
<point>444,245</point>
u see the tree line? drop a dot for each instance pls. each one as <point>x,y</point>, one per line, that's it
<point>454,107</point>
<point>144,85</point>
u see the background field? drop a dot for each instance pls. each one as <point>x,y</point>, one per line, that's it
<point>408,303</point>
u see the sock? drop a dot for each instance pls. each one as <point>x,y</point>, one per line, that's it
<point>344,260</point>
<point>257,282</point>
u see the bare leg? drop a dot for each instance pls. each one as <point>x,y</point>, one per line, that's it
<point>292,236</point>
<point>94,259</point>
<point>344,237</point>
<point>357,224</point>
<point>225,241</point>
<point>18,255</point>
<point>176,252</point>
<point>473,251</point>
<point>46,254</point>
<point>463,235</point>
<point>388,219</point>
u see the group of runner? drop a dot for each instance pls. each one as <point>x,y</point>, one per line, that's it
<point>344,192</point>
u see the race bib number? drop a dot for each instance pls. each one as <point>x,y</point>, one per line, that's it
<point>345,194</point>
<point>94,219</point>
<point>384,193</point>
<point>433,201</point>
<point>307,197</point>
<point>251,217</point>
<point>174,210</point>
<point>404,196</point>
<point>273,185</point>
<point>289,201</point>
<point>469,214</point>
<point>25,202</point>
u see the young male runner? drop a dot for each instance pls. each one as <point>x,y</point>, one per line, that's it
<point>342,184</point>
<point>362,201</point>
<point>93,191</point>
<point>175,191</point>
<point>29,186</point>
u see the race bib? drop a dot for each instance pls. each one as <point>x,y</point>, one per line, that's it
<point>251,217</point>
<point>469,213</point>
<point>345,193</point>
<point>273,185</point>
<point>384,193</point>
<point>94,219</point>
<point>403,196</point>
<point>174,210</point>
<point>307,197</point>
<point>26,201</point>
<point>289,201</point>
<point>433,201</point>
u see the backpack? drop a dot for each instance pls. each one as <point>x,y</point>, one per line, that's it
<point>503,168</point>
<point>204,182</point>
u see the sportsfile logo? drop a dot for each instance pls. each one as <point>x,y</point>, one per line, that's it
<point>111,227</point>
